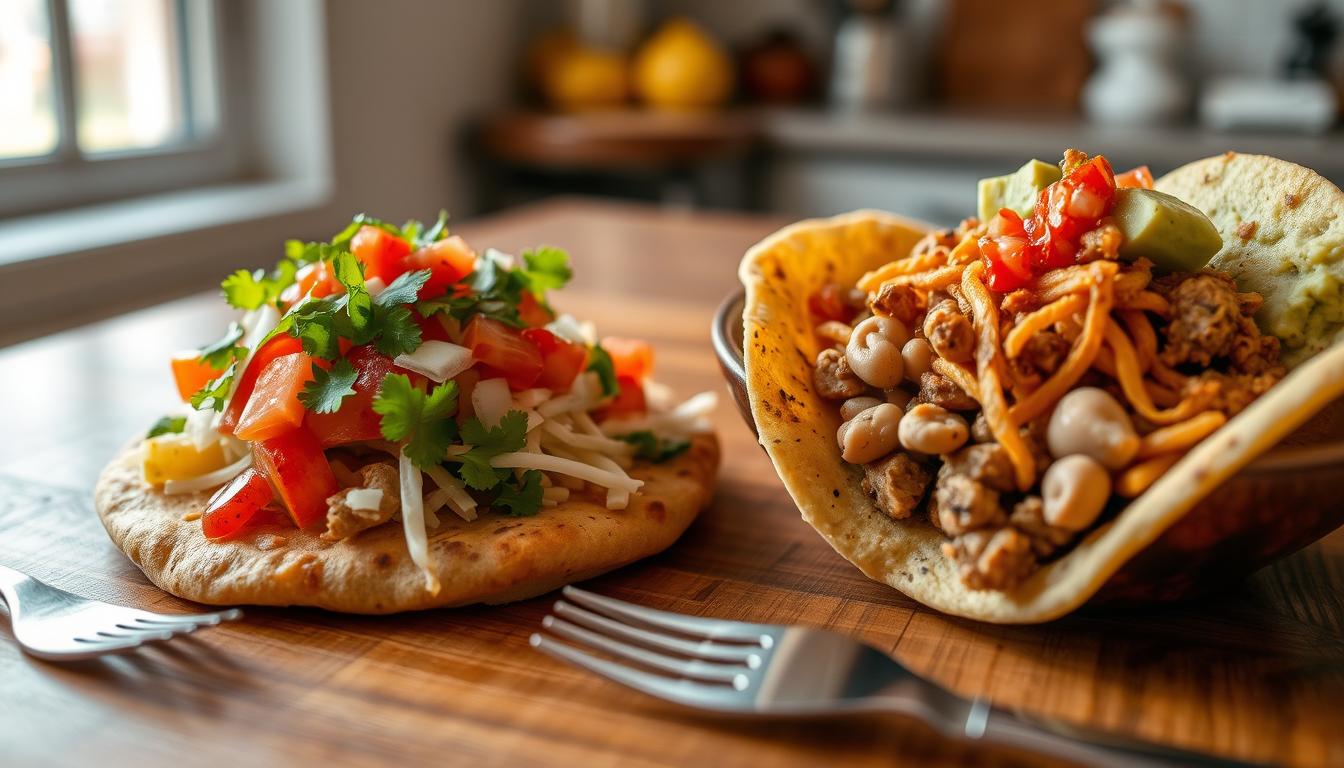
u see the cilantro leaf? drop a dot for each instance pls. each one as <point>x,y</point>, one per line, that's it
<point>249,290</point>
<point>434,233</point>
<point>403,290</point>
<point>358,304</point>
<point>397,332</point>
<point>648,446</point>
<point>495,293</point>
<point>220,354</point>
<point>600,363</point>
<point>547,268</point>
<point>329,387</point>
<point>422,420</point>
<point>211,396</point>
<point>168,425</point>
<point>522,499</point>
<point>486,444</point>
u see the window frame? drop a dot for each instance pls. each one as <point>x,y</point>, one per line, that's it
<point>68,177</point>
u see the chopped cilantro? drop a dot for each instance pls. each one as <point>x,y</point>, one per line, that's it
<point>422,420</point>
<point>220,354</point>
<point>648,446</point>
<point>211,396</point>
<point>599,361</point>
<point>486,444</point>
<point>168,425</point>
<point>547,268</point>
<point>249,290</point>
<point>396,331</point>
<point>329,387</point>
<point>404,289</point>
<point>522,499</point>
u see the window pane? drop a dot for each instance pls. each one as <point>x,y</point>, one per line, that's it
<point>27,92</point>
<point>127,72</point>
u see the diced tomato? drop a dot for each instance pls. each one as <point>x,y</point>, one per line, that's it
<point>431,328</point>
<point>294,463</point>
<point>356,420</point>
<point>1135,178</point>
<point>503,352</point>
<point>276,347</point>
<point>274,406</point>
<point>448,261</point>
<point>191,373</point>
<point>233,509</point>
<point>1048,239</point>
<point>629,402</point>
<point>532,312</point>
<point>382,253</point>
<point>631,357</point>
<point>829,304</point>
<point>561,361</point>
<point>317,279</point>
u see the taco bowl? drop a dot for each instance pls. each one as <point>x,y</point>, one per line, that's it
<point>1240,497</point>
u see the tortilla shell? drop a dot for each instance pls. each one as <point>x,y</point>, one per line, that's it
<point>798,430</point>
<point>494,559</point>
<point>1283,237</point>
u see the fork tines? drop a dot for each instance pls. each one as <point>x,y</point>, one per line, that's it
<point>695,661</point>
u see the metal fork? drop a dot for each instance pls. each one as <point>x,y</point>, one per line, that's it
<point>772,670</point>
<point>53,624</point>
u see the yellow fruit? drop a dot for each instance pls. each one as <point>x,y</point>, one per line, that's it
<point>173,457</point>
<point>588,79</point>
<point>682,68</point>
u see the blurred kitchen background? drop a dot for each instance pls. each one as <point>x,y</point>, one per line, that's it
<point>148,146</point>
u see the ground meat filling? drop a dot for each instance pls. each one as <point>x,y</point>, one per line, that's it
<point>344,521</point>
<point>897,484</point>
<point>1208,350</point>
<point>833,379</point>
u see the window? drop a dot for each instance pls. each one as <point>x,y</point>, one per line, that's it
<point>105,99</point>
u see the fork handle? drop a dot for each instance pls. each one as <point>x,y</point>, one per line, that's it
<point>10,581</point>
<point>1081,745</point>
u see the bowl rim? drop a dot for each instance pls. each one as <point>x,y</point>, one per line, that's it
<point>728,347</point>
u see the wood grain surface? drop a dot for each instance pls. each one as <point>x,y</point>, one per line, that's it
<point>1256,673</point>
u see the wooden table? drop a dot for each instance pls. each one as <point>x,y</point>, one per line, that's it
<point>1257,672</point>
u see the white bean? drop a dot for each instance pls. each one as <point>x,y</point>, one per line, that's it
<point>1074,491</point>
<point>930,429</point>
<point>874,351</point>
<point>870,435</point>
<point>1091,422</point>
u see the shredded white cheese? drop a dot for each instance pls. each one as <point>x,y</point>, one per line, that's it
<point>530,398</point>
<point>563,466</point>
<point>599,443</point>
<point>413,519</point>
<point>454,493</point>
<point>208,480</point>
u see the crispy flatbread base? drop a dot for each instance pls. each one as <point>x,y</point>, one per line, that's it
<point>1283,237</point>
<point>494,559</point>
<point>798,430</point>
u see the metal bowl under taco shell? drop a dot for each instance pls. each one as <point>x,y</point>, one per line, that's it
<point>1262,487</point>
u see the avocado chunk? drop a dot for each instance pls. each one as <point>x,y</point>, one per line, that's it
<point>1173,234</point>
<point>1017,190</point>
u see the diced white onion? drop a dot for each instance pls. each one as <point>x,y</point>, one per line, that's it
<point>375,286</point>
<point>208,480</point>
<point>454,493</point>
<point>491,400</point>
<point>264,320</point>
<point>200,429</point>
<point>531,398</point>
<point>563,466</point>
<point>437,360</point>
<point>691,417</point>
<point>367,499</point>
<point>572,330</point>
<point>659,396</point>
<point>413,519</point>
